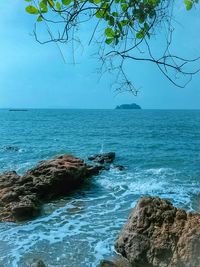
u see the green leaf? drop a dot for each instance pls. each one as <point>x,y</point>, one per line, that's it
<point>109,40</point>
<point>39,19</point>
<point>66,2</point>
<point>140,34</point>
<point>100,13</point>
<point>111,21</point>
<point>58,6</point>
<point>96,1</point>
<point>32,10</point>
<point>109,32</point>
<point>43,6</point>
<point>115,14</point>
<point>188,4</point>
<point>51,3</point>
<point>124,7</point>
<point>124,22</point>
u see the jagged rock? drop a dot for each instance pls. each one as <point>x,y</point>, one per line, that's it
<point>103,158</point>
<point>21,197</point>
<point>40,264</point>
<point>106,263</point>
<point>157,234</point>
<point>117,261</point>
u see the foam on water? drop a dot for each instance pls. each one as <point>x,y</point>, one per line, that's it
<point>160,150</point>
<point>89,222</point>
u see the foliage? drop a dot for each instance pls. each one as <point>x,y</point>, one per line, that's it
<point>127,25</point>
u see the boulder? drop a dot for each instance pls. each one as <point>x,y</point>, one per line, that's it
<point>119,167</point>
<point>103,158</point>
<point>21,197</point>
<point>107,263</point>
<point>117,261</point>
<point>157,234</point>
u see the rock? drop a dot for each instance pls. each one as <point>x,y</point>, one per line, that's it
<point>157,234</point>
<point>128,106</point>
<point>117,261</point>
<point>11,148</point>
<point>106,263</point>
<point>119,167</point>
<point>40,264</point>
<point>103,158</point>
<point>35,263</point>
<point>21,197</point>
<point>23,211</point>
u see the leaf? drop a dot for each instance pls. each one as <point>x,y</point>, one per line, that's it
<point>111,21</point>
<point>39,19</point>
<point>96,1</point>
<point>58,6</point>
<point>109,40</point>
<point>100,13</point>
<point>32,10</point>
<point>51,3</point>
<point>66,2</point>
<point>140,34</point>
<point>124,7</point>
<point>109,32</point>
<point>188,4</point>
<point>115,14</point>
<point>124,22</point>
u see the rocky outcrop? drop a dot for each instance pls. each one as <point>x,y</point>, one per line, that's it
<point>103,158</point>
<point>117,261</point>
<point>157,234</point>
<point>21,197</point>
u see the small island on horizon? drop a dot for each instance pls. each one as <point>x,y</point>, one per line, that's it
<point>128,106</point>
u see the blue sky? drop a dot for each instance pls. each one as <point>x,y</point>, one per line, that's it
<point>35,76</point>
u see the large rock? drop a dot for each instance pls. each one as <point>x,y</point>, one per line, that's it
<point>103,158</point>
<point>117,261</point>
<point>159,235</point>
<point>21,197</point>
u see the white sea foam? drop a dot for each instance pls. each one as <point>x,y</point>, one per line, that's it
<point>90,222</point>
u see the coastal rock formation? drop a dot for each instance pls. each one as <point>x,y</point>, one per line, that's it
<point>21,197</point>
<point>159,235</point>
<point>117,261</point>
<point>103,158</point>
<point>128,106</point>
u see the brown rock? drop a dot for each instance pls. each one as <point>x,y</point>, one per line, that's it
<point>21,196</point>
<point>117,261</point>
<point>103,158</point>
<point>107,263</point>
<point>157,234</point>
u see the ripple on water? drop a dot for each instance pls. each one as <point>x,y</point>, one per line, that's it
<point>80,230</point>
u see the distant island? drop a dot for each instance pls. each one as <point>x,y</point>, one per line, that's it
<point>18,110</point>
<point>128,106</point>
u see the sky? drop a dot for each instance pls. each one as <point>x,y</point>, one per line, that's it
<point>35,76</point>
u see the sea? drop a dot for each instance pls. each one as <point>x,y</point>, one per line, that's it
<point>160,152</point>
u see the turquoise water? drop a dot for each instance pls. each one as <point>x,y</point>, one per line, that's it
<point>161,154</point>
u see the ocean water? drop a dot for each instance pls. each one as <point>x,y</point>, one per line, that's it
<point>160,151</point>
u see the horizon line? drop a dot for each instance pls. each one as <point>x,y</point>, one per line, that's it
<point>77,108</point>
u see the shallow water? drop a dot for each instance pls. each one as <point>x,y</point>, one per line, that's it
<point>161,154</point>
